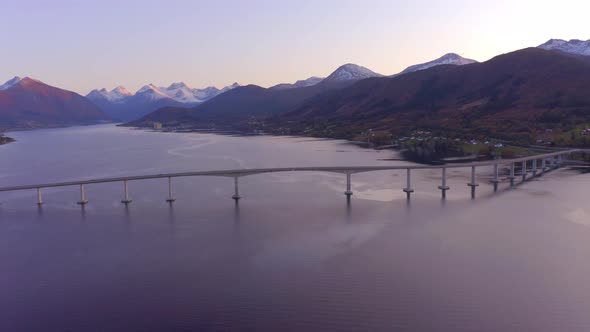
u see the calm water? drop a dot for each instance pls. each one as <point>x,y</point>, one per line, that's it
<point>293,256</point>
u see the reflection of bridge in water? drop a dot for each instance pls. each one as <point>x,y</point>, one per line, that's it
<point>518,168</point>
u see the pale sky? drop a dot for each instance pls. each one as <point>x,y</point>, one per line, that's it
<point>82,45</point>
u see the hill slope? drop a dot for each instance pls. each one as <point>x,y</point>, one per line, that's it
<point>28,103</point>
<point>511,96</point>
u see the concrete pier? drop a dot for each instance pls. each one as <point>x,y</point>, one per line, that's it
<point>443,187</point>
<point>83,199</point>
<point>348,191</point>
<point>170,198</point>
<point>523,171</point>
<point>512,177</point>
<point>495,180</point>
<point>126,200</point>
<point>472,184</point>
<point>543,165</point>
<point>39,197</point>
<point>534,167</point>
<point>236,195</point>
<point>408,189</point>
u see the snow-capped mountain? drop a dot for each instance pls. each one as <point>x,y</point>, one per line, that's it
<point>350,72</point>
<point>447,59</point>
<point>299,84</point>
<point>117,95</point>
<point>574,46</point>
<point>121,104</point>
<point>185,94</point>
<point>10,83</point>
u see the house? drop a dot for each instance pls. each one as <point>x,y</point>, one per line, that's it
<point>157,125</point>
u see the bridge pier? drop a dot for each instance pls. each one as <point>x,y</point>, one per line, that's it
<point>472,184</point>
<point>534,167</point>
<point>348,191</point>
<point>495,180</point>
<point>39,197</point>
<point>512,177</point>
<point>408,189</point>
<point>236,195</point>
<point>83,199</point>
<point>523,171</point>
<point>543,166</point>
<point>126,200</point>
<point>170,199</point>
<point>443,187</point>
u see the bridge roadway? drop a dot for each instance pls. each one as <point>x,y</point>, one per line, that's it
<point>548,161</point>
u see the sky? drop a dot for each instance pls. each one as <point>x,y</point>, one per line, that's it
<point>82,45</point>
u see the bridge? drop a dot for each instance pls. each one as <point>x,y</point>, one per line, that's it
<point>533,165</point>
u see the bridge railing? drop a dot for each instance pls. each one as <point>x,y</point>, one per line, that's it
<point>547,162</point>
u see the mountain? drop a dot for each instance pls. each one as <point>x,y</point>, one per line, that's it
<point>299,84</point>
<point>513,96</point>
<point>10,83</point>
<point>122,105</point>
<point>255,102</point>
<point>29,103</point>
<point>574,46</point>
<point>447,59</point>
<point>350,72</point>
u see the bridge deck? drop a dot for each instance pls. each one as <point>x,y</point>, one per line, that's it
<point>235,173</point>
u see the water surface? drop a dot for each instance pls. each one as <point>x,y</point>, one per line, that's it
<point>292,255</point>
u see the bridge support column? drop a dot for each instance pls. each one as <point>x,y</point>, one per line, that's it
<point>236,195</point>
<point>472,184</point>
<point>495,180</point>
<point>543,165</point>
<point>83,199</point>
<point>534,167</point>
<point>170,199</point>
<point>408,189</point>
<point>512,177</point>
<point>523,171</point>
<point>443,187</point>
<point>348,191</point>
<point>39,197</point>
<point>126,200</point>
<point>559,160</point>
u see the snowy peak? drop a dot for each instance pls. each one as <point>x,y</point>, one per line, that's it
<point>183,93</point>
<point>150,92</point>
<point>299,84</point>
<point>351,72</point>
<point>447,59</point>
<point>121,91</point>
<point>574,46</point>
<point>10,83</point>
<point>117,95</point>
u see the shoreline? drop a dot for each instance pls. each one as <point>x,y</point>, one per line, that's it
<point>404,153</point>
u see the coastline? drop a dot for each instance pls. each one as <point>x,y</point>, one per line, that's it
<point>406,153</point>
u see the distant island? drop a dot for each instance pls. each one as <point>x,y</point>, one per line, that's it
<point>5,139</point>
